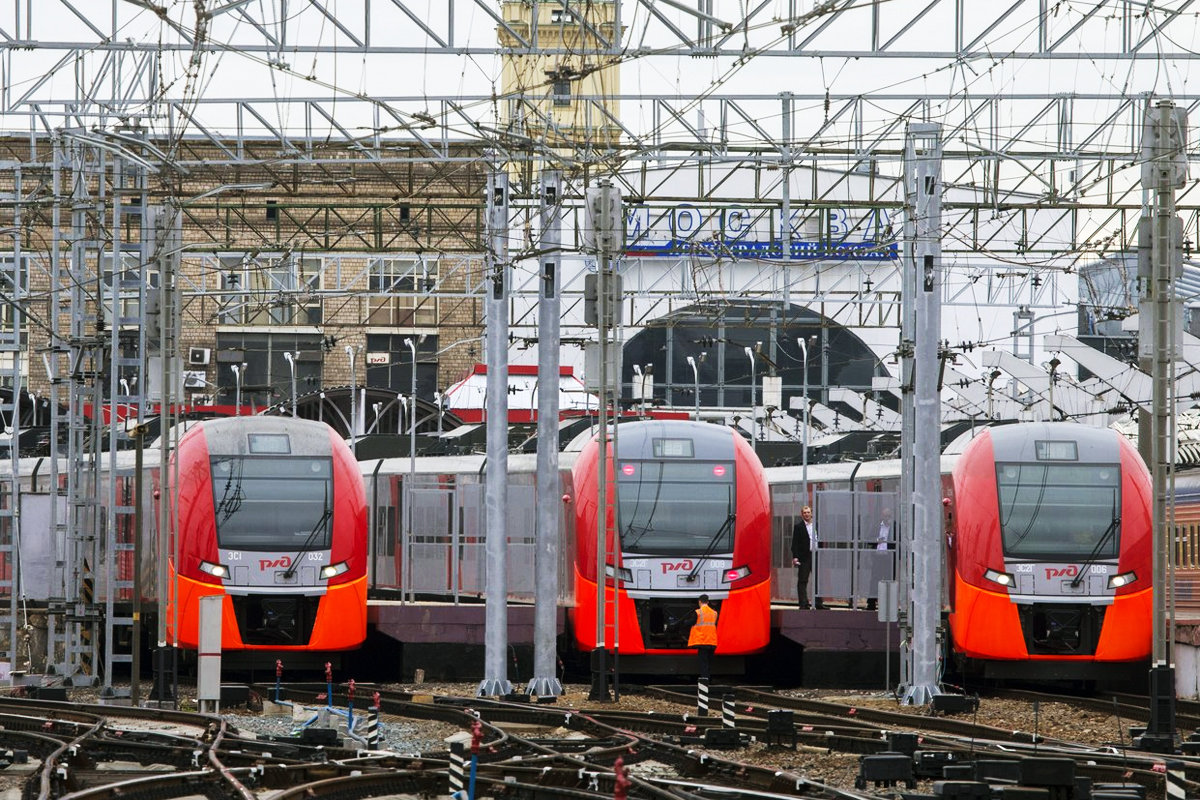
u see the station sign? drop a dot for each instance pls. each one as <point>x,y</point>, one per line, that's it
<point>742,232</point>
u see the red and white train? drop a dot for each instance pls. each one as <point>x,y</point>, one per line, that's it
<point>1049,560</point>
<point>692,517</point>
<point>271,514</point>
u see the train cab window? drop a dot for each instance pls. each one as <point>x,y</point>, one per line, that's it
<point>675,508</point>
<point>272,503</point>
<point>1059,511</point>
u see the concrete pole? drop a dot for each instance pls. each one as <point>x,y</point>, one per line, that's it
<point>804,414</point>
<point>237,395</point>
<point>353,392</point>
<point>695,384</point>
<point>753,423</point>
<point>495,679</point>
<point>411,483</point>
<point>545,681</point>
<point>291,360</point>
<point>922,182</point>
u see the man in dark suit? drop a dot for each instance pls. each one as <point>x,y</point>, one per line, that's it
<point>803,539</point>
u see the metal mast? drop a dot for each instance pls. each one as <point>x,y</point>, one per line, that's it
<point>495,678</point>
<point>12,322</point>
<point>85,369</point>
<point>1164,169</point>
<point>545,682</point>
<point>129,274</point>
<point>603,237</point>
<point>922,194</point>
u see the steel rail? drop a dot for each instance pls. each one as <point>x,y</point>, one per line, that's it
<point>1105,763</point>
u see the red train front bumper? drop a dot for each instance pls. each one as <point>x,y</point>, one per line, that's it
<point>985,625</point>
<point>341,622</point>
<point>743,627</point>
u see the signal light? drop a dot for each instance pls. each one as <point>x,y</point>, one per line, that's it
<point>736,574</point>
<point>1002,578</point>
<point>623,574</point>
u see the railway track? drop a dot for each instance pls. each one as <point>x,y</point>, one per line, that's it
<point>844,728</point>
<point>528,751</point>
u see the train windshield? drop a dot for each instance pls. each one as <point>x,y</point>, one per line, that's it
<point>1062,511</point>
<point>675,508</point>
<point>272,503</point>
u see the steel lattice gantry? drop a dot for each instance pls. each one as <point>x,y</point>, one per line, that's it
<point>786,116</point>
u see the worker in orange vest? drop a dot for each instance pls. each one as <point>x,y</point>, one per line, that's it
<point>704,635</point>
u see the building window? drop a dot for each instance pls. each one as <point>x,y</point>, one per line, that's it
<point>14,327</point>
<point>266,377</point>
<point>270,290</point>
<point>390,361</point>
<point>8,278</point>
<point>561,92</point>
<point>401,293</point>
<point>123,287</point>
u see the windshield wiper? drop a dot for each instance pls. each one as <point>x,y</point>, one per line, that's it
<point>712,546</point>
<point>312,535</point>
<point>1108,532</point>
<point>1033,516</point>
<point>232,495</point>
<point>1091,559</point>
<point>642,531</point>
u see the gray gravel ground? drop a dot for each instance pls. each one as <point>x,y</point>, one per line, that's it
<point>396,734</point>
<point>1056,720</point>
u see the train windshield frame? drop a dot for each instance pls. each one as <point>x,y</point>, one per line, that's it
<point>273,504</point>
<point>680,508</point>
<point>1059,511</point>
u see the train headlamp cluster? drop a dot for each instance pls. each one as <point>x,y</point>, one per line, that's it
<point>1124,579</point>
<point>216,570</point>
<point>333,570</point>
<point>623,574</point>
<point>736,574</point>
<point>1002,578</point>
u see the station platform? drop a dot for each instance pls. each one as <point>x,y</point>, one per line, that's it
<point>832,647</point>
<point>1187,654</point>
<point>836,646</point>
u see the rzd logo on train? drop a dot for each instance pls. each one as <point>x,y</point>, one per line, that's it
<point>677,566</point>
<point>1065,572</point>
<point>267,563</point>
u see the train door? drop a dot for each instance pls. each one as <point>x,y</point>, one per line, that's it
<point>786,502</point>
<point>857,536</point>
<point>876,546</point>
<point>469,564</point>
<point>430,539</point>
<point>833,562</point>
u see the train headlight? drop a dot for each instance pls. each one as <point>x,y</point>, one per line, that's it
<point>1002,578</point>
<point>216,570</point>
<point>333,570</point>
<point>1124,579</point>
<point>736,574</point>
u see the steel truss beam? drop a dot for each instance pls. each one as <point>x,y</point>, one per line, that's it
<point>944,29</point>
<point>1076,154</point>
